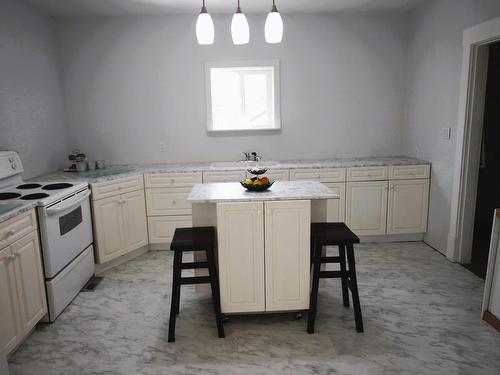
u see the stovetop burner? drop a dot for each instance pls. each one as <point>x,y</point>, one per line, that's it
<point>5,196</point>
<point>34,196</point>
<point>28,186</point>
<point>62,185</point>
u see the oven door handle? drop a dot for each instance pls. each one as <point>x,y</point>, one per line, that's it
<point>58,209</point>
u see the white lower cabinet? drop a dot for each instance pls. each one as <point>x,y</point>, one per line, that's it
<point>22,291</point>
<point>263,259</point>
<point>119,225</point>
<point>162,228</point>
<point>335,208</point>
<point>407,207</point>
<point>366,207</point>
<point>287,256</point>
<point>240,239</point>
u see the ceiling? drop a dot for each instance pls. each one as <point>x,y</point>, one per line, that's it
<point>152,7</point>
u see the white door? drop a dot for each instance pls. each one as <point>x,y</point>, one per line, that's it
<point>108,224</point>
<point>335,208</point>
<point>366,207</point>
<point>287,254</point>
<point>240,235</point>
<point>134,220</point>
<point>407,206</point>
<point>29,280</point>
<point>10,323</point>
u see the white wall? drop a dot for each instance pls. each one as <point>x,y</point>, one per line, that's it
<point>435,60</point>
<point>31,107</point>
<point>133,82</point>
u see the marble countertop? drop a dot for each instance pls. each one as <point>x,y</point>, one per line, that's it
<point>281,190</point>
<point>125,170</point>
<point>9,210</point>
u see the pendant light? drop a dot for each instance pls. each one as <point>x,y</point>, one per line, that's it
<point>239,27</point>
<point>204,27</point>
<point>274,26</point>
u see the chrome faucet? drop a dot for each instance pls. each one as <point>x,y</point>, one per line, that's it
<point>251,156</point>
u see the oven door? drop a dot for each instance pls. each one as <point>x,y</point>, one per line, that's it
<point>65,231</point>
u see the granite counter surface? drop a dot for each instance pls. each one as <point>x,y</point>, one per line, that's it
<point>125,170</point>
<point>281,190</point>
<point>10,210</point>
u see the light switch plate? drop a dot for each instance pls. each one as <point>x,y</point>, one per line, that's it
<point>446,133</point>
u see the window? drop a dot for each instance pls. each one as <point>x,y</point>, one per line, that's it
<point>243,96</point>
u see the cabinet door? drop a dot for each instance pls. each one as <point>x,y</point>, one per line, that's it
<point>407,207</point>
<point>162,228</point>
<point>240,234</point>
<point>10,323</point>
<point>29,280</point>
<point>335,208</point>
<point>134,220</point>
<point>287,255</point>
<point>366,207</point>
<point>108,228</point>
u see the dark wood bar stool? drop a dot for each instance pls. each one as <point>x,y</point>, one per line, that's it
<point>334,234</point>
<point>194,239</point>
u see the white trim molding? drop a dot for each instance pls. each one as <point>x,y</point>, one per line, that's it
<point>469,131</point>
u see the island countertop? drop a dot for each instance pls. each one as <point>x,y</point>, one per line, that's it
<point>281,190</point>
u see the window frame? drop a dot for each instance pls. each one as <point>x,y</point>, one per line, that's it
<point>275,64</point>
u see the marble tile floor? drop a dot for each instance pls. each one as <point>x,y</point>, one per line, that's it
<point>421,316</point>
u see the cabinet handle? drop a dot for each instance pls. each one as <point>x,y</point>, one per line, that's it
<point>172,180</point>
<point>11,257</point>
<point>174,202</point>
<point>10,233</point>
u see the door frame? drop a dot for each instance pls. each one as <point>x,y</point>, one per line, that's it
<point>476,41</point>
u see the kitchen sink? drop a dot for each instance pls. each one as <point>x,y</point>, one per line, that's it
<point>244,164</point>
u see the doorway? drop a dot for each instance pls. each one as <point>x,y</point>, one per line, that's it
<point>488,184</point>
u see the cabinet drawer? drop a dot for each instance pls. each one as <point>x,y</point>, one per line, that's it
<point>322,175</point>
<point>168,201</point>
<point>13,229</point>
<point>275,174</point>
<point>367,173</point>
<point>162,228</point>
<point>160,180</point>
<point>223,176</point>
<point>408,172</point>
<point>108,189</point>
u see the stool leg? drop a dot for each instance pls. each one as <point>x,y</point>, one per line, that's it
<point>179,285</point>
<point>354,288</point>
<point>174,307</point>
<point>214,284</point>
<point>313,302</point>
<point>345,289</point>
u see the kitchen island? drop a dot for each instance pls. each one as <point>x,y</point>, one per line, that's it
<point>263,241</point>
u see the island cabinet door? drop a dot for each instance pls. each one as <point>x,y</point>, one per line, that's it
<point>240,232</point>
<point>287,260</point>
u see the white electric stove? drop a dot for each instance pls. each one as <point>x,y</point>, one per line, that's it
<point>65,225</point>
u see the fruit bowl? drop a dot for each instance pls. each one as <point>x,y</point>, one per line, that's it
<point>260,187</point>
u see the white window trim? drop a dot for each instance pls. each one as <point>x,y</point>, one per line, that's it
<point>242,64</point>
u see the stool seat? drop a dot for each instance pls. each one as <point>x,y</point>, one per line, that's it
<point>332,234</point>
<point>193,239</point>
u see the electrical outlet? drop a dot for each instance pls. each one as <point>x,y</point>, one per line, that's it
<point>163,146</point>
<point>446,133</point>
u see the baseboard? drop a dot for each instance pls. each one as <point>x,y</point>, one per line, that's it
<point>488,317</point>
<point>159,246</point>
<point>101,268</point>
<point>393,238</point>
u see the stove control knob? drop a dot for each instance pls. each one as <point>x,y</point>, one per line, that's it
<point>13,166</point>
<point>11,159</point>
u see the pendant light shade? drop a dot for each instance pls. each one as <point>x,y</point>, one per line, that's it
<point>240,31</point>
<point>274,26</point>
<point>204,27</point>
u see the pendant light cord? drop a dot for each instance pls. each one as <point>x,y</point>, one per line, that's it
<point>274,8</point>
<point>238,9</point>
<point>203,8</point>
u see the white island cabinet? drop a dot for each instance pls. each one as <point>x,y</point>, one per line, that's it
<point>263,241</point>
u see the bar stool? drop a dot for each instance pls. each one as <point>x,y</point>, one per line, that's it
<point>334,234</point>
<point>194,239</point>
